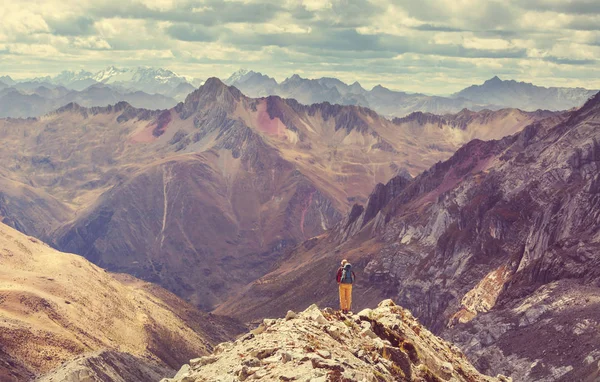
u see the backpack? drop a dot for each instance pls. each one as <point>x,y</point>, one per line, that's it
<point>346,274</point>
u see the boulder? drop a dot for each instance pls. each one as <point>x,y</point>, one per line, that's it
<point>199,362</point>
<point>320,363</point>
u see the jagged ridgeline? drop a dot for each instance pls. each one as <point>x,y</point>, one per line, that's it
<point>384,344</point>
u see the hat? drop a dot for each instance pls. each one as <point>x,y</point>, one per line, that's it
<point>344,261</point>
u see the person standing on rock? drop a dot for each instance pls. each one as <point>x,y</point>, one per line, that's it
<point>345,278</point>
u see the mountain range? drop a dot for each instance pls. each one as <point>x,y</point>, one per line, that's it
<point>23,101</point>
<point>144,87</point>
<point>158,88</point>
<point>146,79</point>
<point>495,248</point>
<point>203,198</point>
<point>493,94</point>
<point>482,223</point>
<point>525,95</point>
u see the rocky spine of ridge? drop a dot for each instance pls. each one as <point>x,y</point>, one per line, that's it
<point>383,344</point>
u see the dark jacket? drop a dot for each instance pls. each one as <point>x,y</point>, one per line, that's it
<point>338,277</point>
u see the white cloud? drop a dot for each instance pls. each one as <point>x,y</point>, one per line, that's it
<point>92,42</point>
<point>487,43</point>
<point>316,5</point>
<point>16,22</point>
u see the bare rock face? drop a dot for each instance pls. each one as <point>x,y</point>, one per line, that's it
<point>383,344</point>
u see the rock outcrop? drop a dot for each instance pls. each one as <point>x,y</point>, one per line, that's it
<point>383,344</point>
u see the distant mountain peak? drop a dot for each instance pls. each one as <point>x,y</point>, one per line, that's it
<point>243,75</point>
<point>493,81</point>
<point>213,83</point>
<point>211,92</point>
<point>294,77</point>
<point>7,80</point>
<point>380,89</point>
<point>240,73</point>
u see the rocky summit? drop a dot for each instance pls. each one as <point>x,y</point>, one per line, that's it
<point>382,344</point>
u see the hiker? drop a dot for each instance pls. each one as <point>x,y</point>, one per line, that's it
<point>345,277</point>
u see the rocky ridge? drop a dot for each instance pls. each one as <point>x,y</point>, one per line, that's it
<point>383,344</point>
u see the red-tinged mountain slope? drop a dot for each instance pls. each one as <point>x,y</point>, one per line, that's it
<point>497,248</point>
<point>56,306</point>
<point>215,188</point>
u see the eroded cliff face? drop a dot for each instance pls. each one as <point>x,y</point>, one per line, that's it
<point>383,344</point>
<point>470,240</point>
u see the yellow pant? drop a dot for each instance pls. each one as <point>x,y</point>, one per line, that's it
<point>345,296</point>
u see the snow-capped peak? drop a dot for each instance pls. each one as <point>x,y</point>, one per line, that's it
<point>109,73</point>
<point>237,76</point>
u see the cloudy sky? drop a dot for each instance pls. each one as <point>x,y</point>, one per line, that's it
<point>433,46</point>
